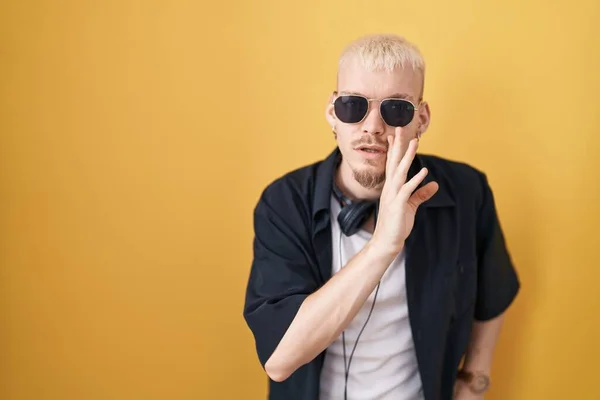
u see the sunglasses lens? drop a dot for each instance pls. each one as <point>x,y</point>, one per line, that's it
<point>350,109</point>
<point>397,112</point>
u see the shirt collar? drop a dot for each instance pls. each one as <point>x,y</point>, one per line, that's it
<point>326,170</point>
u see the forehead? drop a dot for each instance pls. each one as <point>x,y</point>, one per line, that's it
<point>355,79</point>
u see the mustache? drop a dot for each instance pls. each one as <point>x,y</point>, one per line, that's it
<point>369,141</point>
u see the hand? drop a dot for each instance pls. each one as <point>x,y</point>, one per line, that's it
<point>462,392</point>
<point>398,203</point>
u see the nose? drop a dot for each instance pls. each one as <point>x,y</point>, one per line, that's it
<point>373,123</point>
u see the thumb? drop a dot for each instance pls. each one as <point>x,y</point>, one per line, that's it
<point>423,194</point>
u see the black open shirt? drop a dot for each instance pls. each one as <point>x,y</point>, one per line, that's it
<point>457,268</point>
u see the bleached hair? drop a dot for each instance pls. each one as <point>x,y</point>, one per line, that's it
<point>383,52</point>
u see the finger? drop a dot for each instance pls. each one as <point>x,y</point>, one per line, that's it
<point>389,159</point>
<point>401,173</point>
<point>409,155</point>
<point>398,144</point>
<point>409,187</point>
<point>422,195</point>
<point>389,171</point>
<point>393,153</point>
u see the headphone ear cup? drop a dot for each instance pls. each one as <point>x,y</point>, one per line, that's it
<point>353,216</point>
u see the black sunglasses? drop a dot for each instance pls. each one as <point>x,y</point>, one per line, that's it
<point>353,108</point>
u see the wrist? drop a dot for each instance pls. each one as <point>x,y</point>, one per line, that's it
<point>384,247</point>
<point>477,359</point>
<point>478,382</point>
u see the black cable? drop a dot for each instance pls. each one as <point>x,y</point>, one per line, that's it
<point>347,367</point>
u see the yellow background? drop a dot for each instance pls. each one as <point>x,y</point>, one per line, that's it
<point>137,135</point>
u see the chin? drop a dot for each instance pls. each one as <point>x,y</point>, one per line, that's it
<point>369,176</point>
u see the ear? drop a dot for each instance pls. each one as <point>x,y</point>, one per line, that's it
<point>424,117</point>
<point>329,111</point>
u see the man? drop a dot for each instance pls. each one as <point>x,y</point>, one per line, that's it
<point>377,270</point>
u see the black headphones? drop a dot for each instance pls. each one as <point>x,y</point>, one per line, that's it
<point>354,214</point>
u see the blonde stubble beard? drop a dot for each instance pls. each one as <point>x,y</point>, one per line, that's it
<point>369,178</point>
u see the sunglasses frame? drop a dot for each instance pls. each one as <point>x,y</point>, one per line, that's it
<point>338,95</point>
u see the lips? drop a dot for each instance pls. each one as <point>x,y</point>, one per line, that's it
<point>372,149</point>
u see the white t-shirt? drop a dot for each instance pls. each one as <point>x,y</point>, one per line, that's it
<point>384,364</point>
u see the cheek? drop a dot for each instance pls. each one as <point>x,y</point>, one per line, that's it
<point>345,141</point>
<point>410,130</point>
<point>348,134</point>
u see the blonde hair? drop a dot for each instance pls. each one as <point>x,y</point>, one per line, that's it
<point>383,52</point>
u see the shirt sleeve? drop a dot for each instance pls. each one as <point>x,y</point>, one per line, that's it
<point>280,277</point>
<point>498,283</point>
